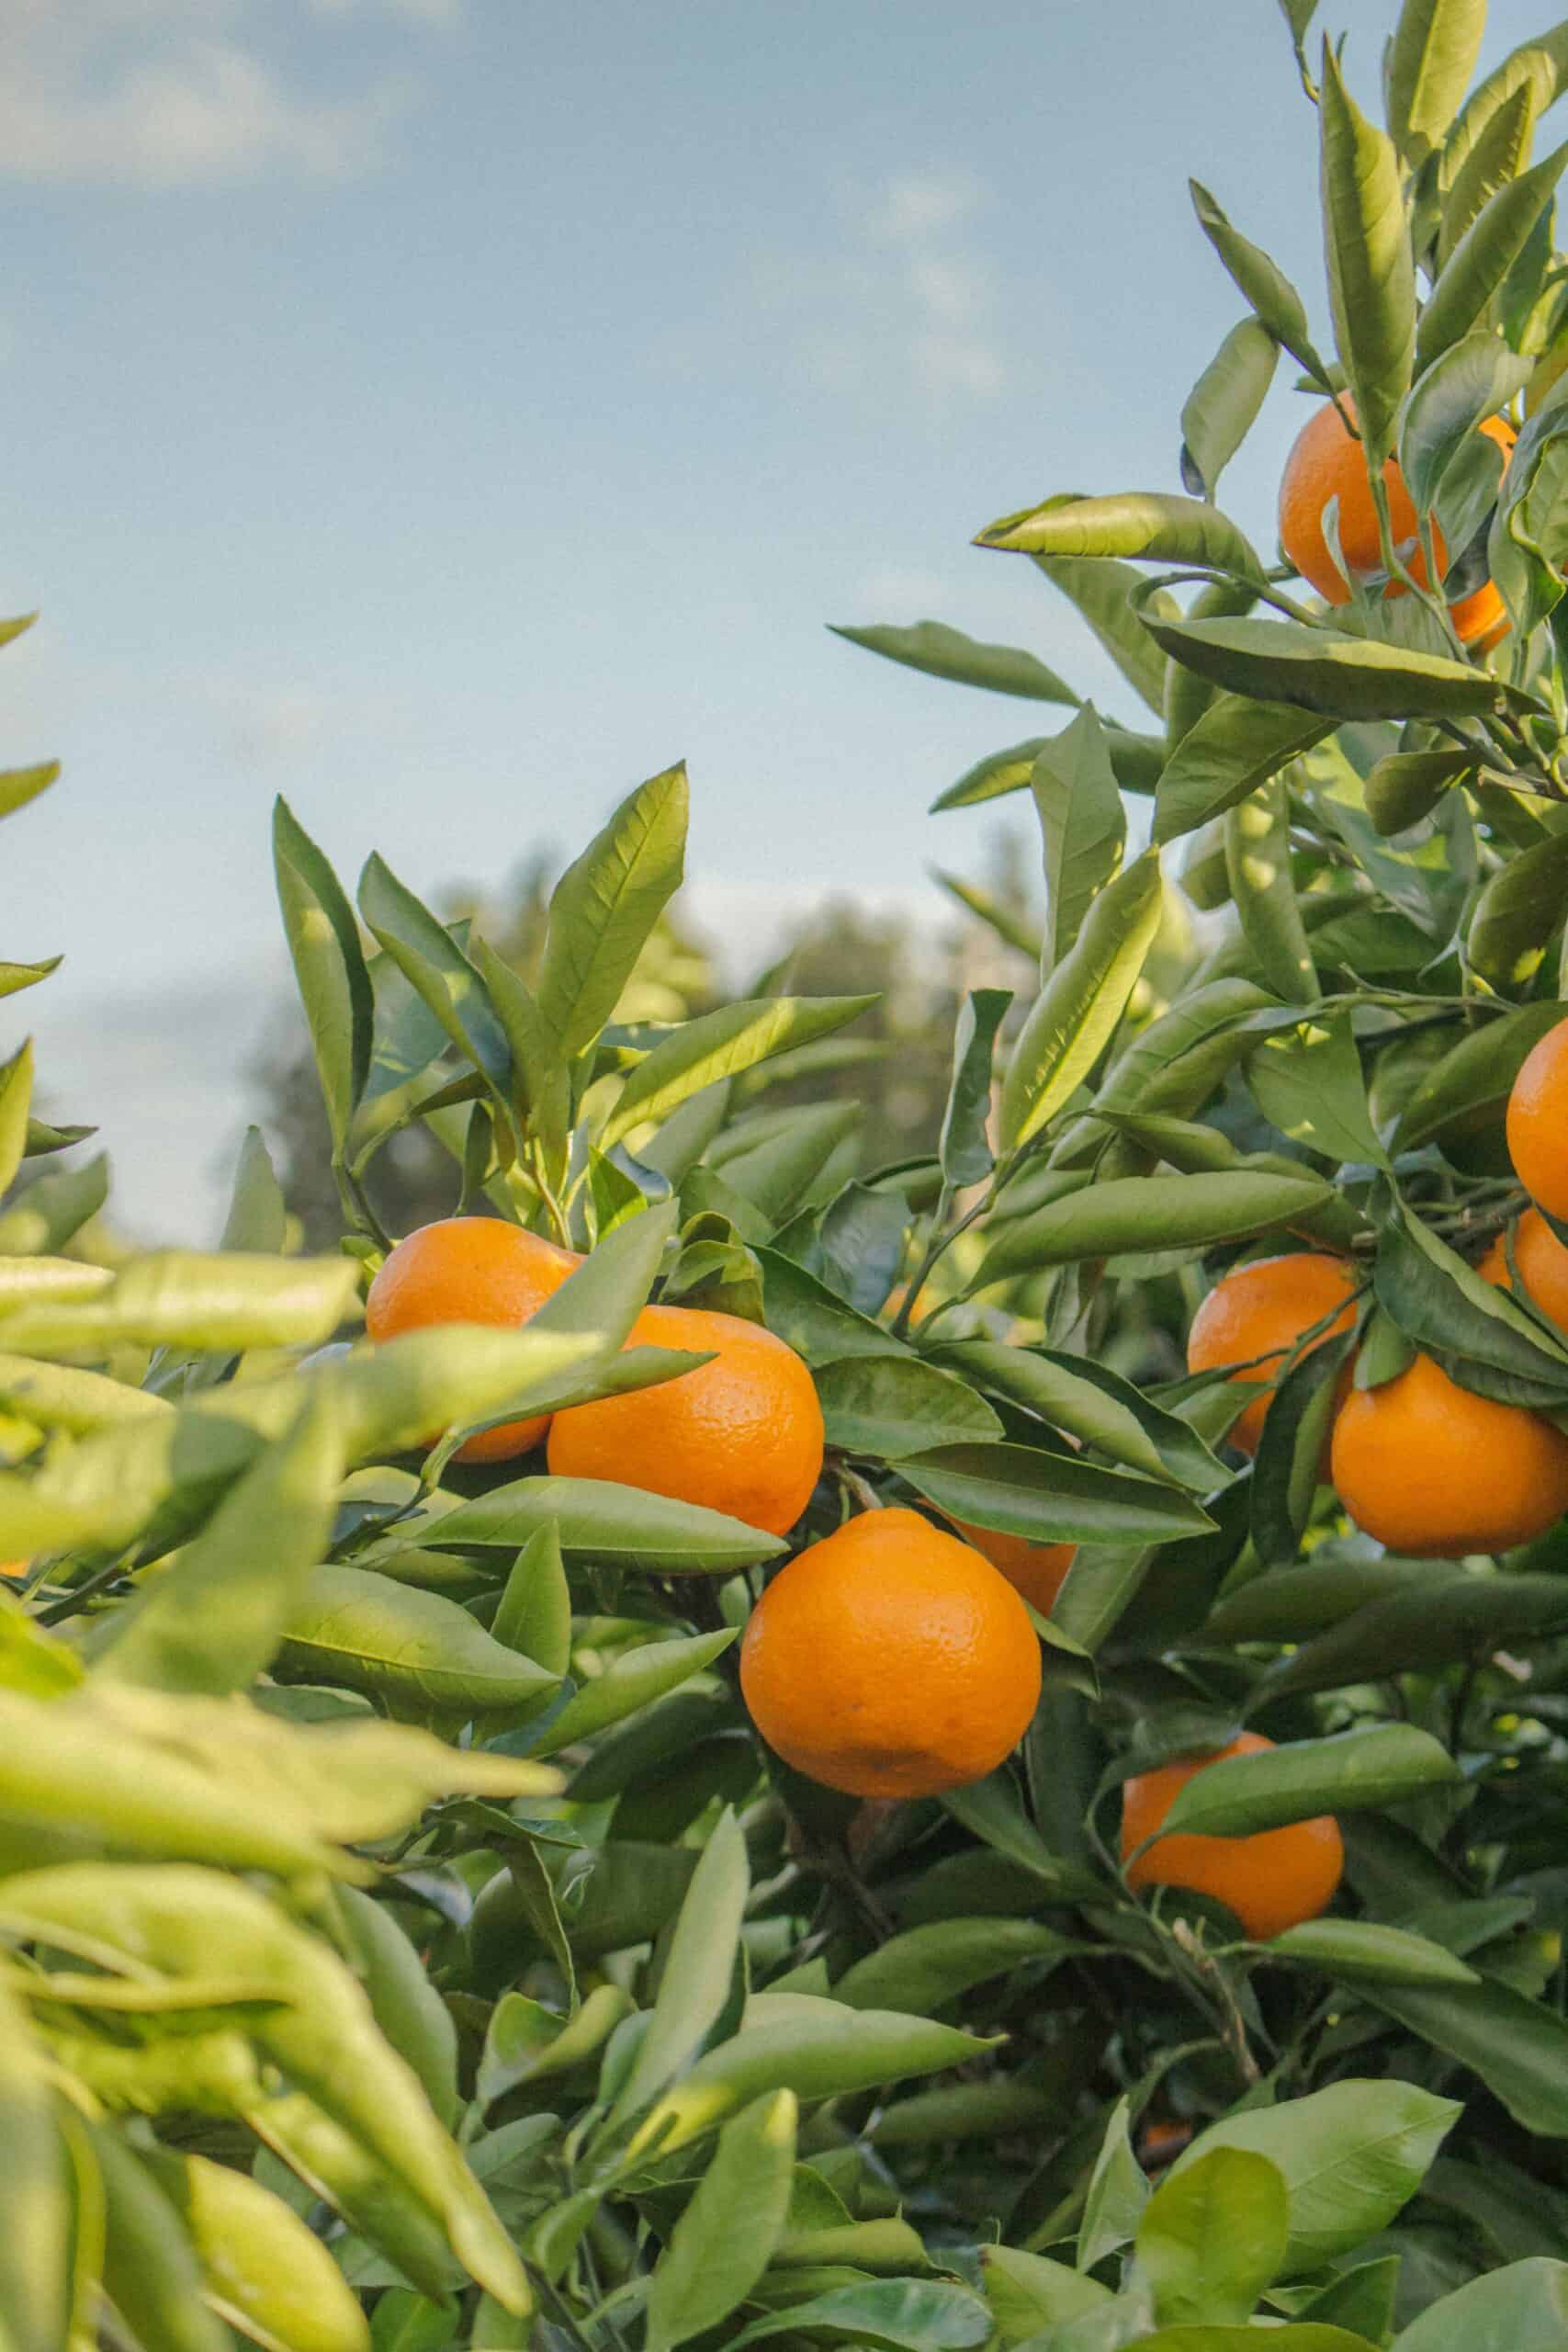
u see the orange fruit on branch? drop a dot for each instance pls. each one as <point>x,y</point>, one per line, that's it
<point>1325,462</point>
<point>470,1269</point>
<point>742,1434</point>
<point>1271,1880</point>
<point>1428,1467</point>
<point>891,1660</point>
<point>1542,1261</point>
<point>1261,1311</point>
<point>1537,1122</point>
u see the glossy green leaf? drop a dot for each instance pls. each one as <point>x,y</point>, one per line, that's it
<point>1092,1403</point>
<point>150,2272</point>
<point>965,1148</point>
<point>1517,2046</point>
<point>1320,670</point>
<point>1372,273</point>
<point>1222,408</point>
<point>1236,745</point>
<point>1288,1464</point>
<point>257,1219</point>
<point>1257,860</point>
<point>1522,2308</point>
<point>15,1099</point>
<point>1135,759</point>
<point>1049,1497</point>
<point>606,905</point>
<point>1308,1083</point>
<point>164,1297</point>
<point>1269,291</point>
<point>1212,2238</point>
<point>1470,380</point>
<point>1407,785</point>
<point>534,1614</point>
<point>633,1681</point>
<point>1084,825</point>
<point>437,969</point>
<point>947,653</point>
<point>1517,913</point>
<point>1481,259</point>
<point>911,2315</point>
<point>889,1406</point>
<point>54,1209</point>
<point>1351,2156</point>
<point>1499,154</point>
<point>991,1811</point>
<point>409,1648</point>
<point>1436,44</point>
<point>928,1967</point>
<point>329,965</point>
<point>1295,2335</point>
<point>727,2234</point>
<point>1102,591</point>
<point>35,2244</point>
<point>719,1045</point>
<point>18,785</point>
<point>1383,1764</point>
<point>1149,524</point>
<point>695,1986</point>
<point>1361,1949</point>
<point>597,1519</point>
<point>265,2272</point>
<point>1443,1622</point>
<point>1475,1075</point>
<point>1474,1329</point>
<point>406,2004</point>
<point>1128,1214</point>
<point>1027,2293</point>
<point>526,2043</point>
<point>1072,1020</point>
<point>1118,2193</point>
<point>212,1620</point>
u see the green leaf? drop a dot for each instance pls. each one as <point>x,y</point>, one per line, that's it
<point>1027,2293</point>
<point>53,1209</point>
<point>258,1217</point>
<point>1072,1020</point>
<point>212,1620</point>
<point>1469,382</point>
<point>534,1615</point>
<point>966,1151</point>
<point>718,1044</point>
<point>1517,913</point>
<point>1372,273</point>
<point>888,1407</point>
<point>440,974</point>
<point>1436,44</point>
<point>926,1967</point>
<point>329,965</point>
<point>1118,2193</point>
<point>1351,2156</point>
<point>1267,288</point>
<point>604,908</point>
<point>597,1519</point>
<point>406,2004</point>
<point>1049,1497</point>
<point>1481,259</point>
<point>1446,1618</point>
<point>1295,2335</point>
<point>1135,759</point>
<point>1092,1403</point>
<point>1522,2308</point>
<point>912,2315</point>
<point>1318,669</point>
<point>1127,1215</point>
<point>990,1810</point>
<point>526,2042</point>
<point>1013,929</point>
<point>1214,2237</point>
<point>1379,1765</point>
<point>35,2244</point>
<point>540,1082</point>
<point>1102,591</point>
<point>1362,1950</point>
<point>1308,1083</point>
<point>1360,2298</point>
<point>1500,153</point>
<point>149,2270</point>
<point>176,1297</point>
<point>1516,2046</point>
<point>264,2270</point>
<point>1222,408</point>
<point>608,1291</point>
<point>1288,1467</point>
<point>15,1099</point>
<point>1405,786</point>
<point>1147,524</point>
<point>18,785</point>
<point>1257,860</point>
<point>1527,549</point>
<point>1233,747</point>
<point>631,1681</point>
<point>695,1986</point>
<point>947,653</point>
<point>727,2234</point>
<point>413,1650</point>
<point>1474,1076</point>
<point>1084,825</point>
<point>1475,1330</point>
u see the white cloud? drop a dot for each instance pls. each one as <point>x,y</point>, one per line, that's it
<point>909,302</point>
<point>174,93</point>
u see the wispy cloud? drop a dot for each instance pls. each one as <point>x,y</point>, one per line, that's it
<point>157,93</point>
<point>909,299</point>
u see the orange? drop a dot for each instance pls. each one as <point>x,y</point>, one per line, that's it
<point>891,1660</point>
<point>14,1567</point>
<point>1430,1468</point>
<point>1542,1263</point>
<point>1271,1880</point>
<point>1261,1311</point>
<point>742,1434</point>
<point>1037,1570</point>
<point>1325,462</point>
<point>470,1269</point>
<point>1538,1122</point>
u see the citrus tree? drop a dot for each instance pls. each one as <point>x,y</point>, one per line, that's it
<point>732,1742</point>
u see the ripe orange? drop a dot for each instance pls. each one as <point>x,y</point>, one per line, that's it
<point>742,1434</point>
<point>1262,1309</point>
<point>1325,462</point>
<point>1428,1467</point>
<point>1037,1570</point>
<point>470,1269</point>
<point>1542,1263</point>
<point>1538,1122</point>
<point>13,1568</point>
<point>891,1660</point>
<point>1273,1880</point>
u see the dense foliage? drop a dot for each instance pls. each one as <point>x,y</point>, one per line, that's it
<point>409,1941</point>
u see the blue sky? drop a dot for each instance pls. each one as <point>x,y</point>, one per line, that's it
<point>448,411</point>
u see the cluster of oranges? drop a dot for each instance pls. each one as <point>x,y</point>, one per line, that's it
<point>1422,1463</point>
